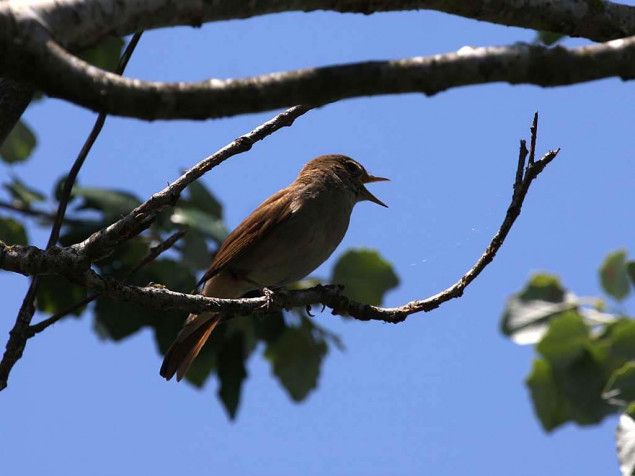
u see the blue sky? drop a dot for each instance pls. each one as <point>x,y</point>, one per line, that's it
<point>442,393</point>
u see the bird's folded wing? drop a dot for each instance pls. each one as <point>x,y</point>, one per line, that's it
<point>272,212</point>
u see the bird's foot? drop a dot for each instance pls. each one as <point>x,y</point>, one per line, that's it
<point>271,298</point>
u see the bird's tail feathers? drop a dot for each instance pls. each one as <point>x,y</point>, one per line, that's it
<point>188,344</point>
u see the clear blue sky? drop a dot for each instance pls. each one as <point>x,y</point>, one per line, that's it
<point>440,394</point>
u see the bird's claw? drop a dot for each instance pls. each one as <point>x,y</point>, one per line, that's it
<point>272,298</point>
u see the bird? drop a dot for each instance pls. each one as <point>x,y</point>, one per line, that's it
<point>282,241</point>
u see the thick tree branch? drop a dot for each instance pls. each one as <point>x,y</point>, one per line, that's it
<point>29,260</point>
<point>80,23</point>
<point>14,98</point>
<point>60,74</point>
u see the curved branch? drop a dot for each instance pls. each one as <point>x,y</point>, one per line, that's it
<point>60,74</point>
<point>101,242</point>
<point>30,260</point>
<point>80,23</point>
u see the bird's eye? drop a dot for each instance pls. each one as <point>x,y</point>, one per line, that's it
<point>352,167</point>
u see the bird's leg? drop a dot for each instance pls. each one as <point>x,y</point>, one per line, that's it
<point>272,295</point>
<point>269,295</point>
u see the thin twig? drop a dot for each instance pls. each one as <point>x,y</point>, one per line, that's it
<point>154,253</point>
<point>522,156</point>
<point>32,212</point>
<point>140,218</point>
<point>532,143</point>
<point>69,182</point>
<point>19,334</point>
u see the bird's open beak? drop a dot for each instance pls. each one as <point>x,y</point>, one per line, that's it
<point>366,195</point>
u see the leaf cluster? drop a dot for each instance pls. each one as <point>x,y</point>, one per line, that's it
<point>585,367</point>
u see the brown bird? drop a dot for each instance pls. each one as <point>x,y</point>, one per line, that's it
<point>288,236</point>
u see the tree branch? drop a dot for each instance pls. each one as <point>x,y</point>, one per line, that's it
<point>74,262</point>
<point>81,23</point>
<point>140,218</point>
<point>154,253</point>
<point>60,74</point>
<point>30,260</point>
<point>20,332</point>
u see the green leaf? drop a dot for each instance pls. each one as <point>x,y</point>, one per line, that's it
<point>231,372</point>
<point>202,222</point>
<point>296,357</point>
<point>566,339</point>
<point>366,276</point>
<point>548,38</point>
<point>549,404</point>
<point>105,54</point>
<point>22,195</point>
<point>270,326</point>
<point>55,294</point>
<point>613,275</point>
<point>306,283</point>
<point>78,232</point>
<point>625,439</point>
<point>12,232</point>
<point>527,314</point>
<point>59,187</point>
<point>620,388</point>
<point>630,270</point>
<point>117,320</point>
<point>623,339</point>
<point>125,257</point>
<point>543,287</point>
<point>571,393</point>
<point>207,359</point>
<point>203,365</point>
<point>195,252</point>
<point>582,384</point>
<point>201,198</point>
<point>112,203</point>
<point>18,145</point>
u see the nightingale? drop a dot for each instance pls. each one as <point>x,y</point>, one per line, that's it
<point>283,240</point>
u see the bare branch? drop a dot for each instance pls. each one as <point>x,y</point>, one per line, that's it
<point>69,182</point>
<point>141,217</point>
<point>30,260</point>
<point>74,262</point>
<point>20,332</point>
<point>60,74</point>
<point>532,144</point>
<point>155,252</point>
<point>80,23</point>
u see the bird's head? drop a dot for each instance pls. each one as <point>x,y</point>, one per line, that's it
<point>348,172</point>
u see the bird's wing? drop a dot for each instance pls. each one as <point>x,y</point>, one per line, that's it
<point>273,211</point>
